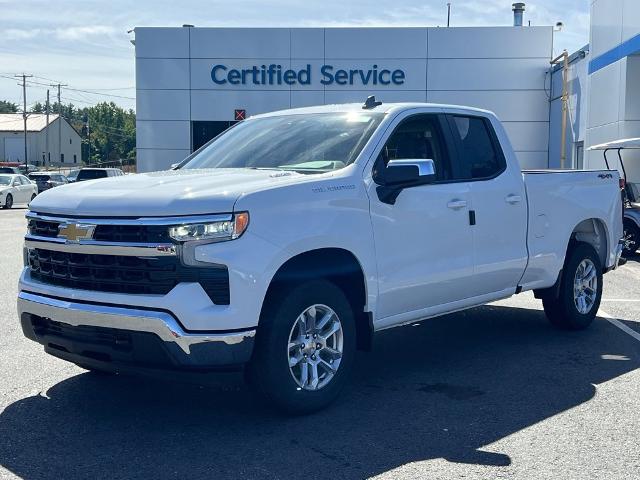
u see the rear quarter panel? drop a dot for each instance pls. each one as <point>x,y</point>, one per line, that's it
<point>558,201</point>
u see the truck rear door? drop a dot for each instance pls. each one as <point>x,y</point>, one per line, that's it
<point>498,210</point>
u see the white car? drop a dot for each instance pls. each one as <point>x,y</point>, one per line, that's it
<point>285,243</point>
<point>16,189</point>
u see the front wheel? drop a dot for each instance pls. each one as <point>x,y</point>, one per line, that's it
<point>8,202</point>
<point>580,290</point>
<point>631,237</point>
<point>305,347</point>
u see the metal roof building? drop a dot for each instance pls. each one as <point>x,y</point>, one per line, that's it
<point>55,144</point>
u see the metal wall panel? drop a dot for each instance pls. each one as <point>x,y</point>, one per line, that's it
<point>606,22</point>
<point>485,74</point>
<point>220,105</point>
<point>161,42</point>
<point>359,96</point>
<point>162,105</point>
<point>162,73</point>
<point>604,96</point>
<point>375,43</point>
<point>240,43</point>
<point>496,42</point>
<point>509,105</point>
<point>307,43</point>
<point>532,160</point>
<point>154,159</point>
<point>528,136</point>
<point>306,98</point>
<point>163,134</point>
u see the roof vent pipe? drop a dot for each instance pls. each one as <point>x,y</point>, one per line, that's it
<point>518,13</point>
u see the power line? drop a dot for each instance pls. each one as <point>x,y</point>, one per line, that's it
<point>101,94</point>
<point>92,92</point>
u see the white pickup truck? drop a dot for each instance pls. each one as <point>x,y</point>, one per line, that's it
<point>284,244</point>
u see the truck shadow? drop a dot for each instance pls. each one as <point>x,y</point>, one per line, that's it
<point>443,389</point>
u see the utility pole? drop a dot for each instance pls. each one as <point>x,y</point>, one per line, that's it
<point>448,13</point>
<point>47,158</point>
<point>24,116</point>
<point>59,85</point>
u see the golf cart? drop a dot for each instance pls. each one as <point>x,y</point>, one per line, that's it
<point>630,193</point>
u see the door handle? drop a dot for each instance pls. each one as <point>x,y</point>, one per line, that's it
<point>513,199</point>
<point>457,204</point>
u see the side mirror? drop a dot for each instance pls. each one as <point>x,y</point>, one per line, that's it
<point>409,172</point>
<point>405,173</point>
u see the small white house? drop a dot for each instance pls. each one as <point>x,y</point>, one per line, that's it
<point>55,144</point>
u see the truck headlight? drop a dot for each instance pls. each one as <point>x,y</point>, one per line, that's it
<point>219,231</point>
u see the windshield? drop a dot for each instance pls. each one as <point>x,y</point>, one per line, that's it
<point>5,180</point>
<point>313,143</point>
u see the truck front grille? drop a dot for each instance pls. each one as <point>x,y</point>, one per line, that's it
<point>107,233</point>
<point>125,274</point>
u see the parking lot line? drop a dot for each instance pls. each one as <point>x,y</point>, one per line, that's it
<point>614,321</point>
<point>620,300</point>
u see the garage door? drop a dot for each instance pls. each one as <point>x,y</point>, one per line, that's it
<point>14,149</point>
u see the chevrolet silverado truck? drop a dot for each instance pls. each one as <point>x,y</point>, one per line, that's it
<point>281,246</point>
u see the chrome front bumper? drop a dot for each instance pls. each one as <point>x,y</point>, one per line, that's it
<point>199,349</point>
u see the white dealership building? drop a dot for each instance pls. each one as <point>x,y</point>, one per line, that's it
<point>603,88</point>
<point>192,83</point>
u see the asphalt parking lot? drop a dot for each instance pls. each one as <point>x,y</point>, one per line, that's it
<point>494,392</point>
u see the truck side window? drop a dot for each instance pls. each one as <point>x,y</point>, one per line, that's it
<point>418,137</point>
<point>478,155</point>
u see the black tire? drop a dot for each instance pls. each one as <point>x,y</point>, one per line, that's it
<point>268,372</point>
<point>8,202</point>
<point>562,311</point>
<point>632,238</point>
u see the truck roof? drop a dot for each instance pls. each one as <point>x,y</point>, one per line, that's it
<point>383,108</point>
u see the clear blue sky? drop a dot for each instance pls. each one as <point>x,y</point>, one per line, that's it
<point>86,45</point>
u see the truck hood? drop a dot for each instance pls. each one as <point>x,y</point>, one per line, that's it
<point>166,193</point>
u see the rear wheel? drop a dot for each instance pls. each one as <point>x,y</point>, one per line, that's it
<point>631,237</point>
<point>580,290</point>
<point>305,347</point>
<point>8,202</point>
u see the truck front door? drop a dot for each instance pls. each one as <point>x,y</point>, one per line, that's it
<point>423,242</point>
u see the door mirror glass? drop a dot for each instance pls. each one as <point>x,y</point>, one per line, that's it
<point>410,172</point>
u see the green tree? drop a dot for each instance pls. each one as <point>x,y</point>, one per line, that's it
<point>8,107</point>
<point>39,108</point>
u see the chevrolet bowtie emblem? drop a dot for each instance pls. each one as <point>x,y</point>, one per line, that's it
<point>74,232</point>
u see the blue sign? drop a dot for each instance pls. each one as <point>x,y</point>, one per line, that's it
<point>277,75</point>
